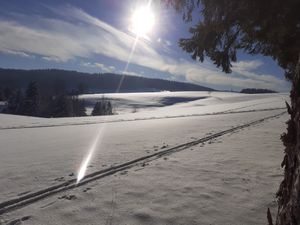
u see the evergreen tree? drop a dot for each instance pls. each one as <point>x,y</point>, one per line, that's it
<point>14,103</point>
<point>270,28</point>
<point>109,108</point>
<point>102,107</point>
<point>46,106</point>
<point>34,104</point>
<point>97,109</point>
<point>81,88</point>
<point>30,106</point>
<point>62,106</point>
<point>78,106</point>
<point>7,92</point>
<point>1,95</point>
<point>59,86</point>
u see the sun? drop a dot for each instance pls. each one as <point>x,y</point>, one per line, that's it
<point>142,21</point>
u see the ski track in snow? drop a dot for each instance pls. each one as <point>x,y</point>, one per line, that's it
<point>26,199</point>
<point>28,168</point>
<point>230,111</point>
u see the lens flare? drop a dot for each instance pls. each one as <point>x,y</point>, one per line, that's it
<point>127,64</point>
<point>140,28</point>
<point>86,161</point>
<point>142,22</point>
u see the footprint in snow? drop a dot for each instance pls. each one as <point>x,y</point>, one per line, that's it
<point>19,221</point>
<point>87,189</point>
<point>144,164</point>
<point>68,197</point>
<point>60,179</point>
<point>124,172</point>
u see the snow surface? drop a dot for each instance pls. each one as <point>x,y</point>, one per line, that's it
<point>230,180</point>
<point>208,103</point>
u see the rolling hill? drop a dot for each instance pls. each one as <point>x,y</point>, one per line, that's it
<point>53,79</point>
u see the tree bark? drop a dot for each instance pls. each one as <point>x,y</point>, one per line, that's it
<point>289,190</point>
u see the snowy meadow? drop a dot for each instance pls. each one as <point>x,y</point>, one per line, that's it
<point>162,158</point>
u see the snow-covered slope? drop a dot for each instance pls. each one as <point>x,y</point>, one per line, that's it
<point>207,103</point>
<point>228,180</point>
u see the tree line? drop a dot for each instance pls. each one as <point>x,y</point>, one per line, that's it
<point>50,80</point>
<point>256,91</point>
<point>33,102</point>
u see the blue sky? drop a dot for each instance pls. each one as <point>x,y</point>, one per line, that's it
<point>93,36</point>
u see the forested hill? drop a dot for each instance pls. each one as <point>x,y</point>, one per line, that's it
<point>256,91</point>
<point>54,79</point>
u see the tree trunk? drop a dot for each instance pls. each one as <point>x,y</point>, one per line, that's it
<point>289,190</point>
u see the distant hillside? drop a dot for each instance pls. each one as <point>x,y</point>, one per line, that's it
<point>256,91</point>
<point>51,79</point>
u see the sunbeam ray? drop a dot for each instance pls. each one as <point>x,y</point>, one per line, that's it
<point>87,159</point>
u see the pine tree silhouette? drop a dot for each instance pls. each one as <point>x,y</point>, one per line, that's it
<point>102,107</point>
<point>30,106</point>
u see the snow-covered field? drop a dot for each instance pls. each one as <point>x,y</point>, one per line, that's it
<point>231,179</point>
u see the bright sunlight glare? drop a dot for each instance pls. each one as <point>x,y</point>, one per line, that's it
<point>142,21</point>
<point>86,161</point>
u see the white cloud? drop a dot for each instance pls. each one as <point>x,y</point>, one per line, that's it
<point>81,35</point>
<point>241,77</point>
<point>207,77</point>
<point>245,69</point>
<point>48,43</point>
<point>112,68</point>
<point>248,65</point>
<point>51,58</point>
<point>17,53</point>
<point>108,69</point>
<point>132,73</point>
<point>104,68</point>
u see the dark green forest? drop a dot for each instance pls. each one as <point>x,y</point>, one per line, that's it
<point>53,81</point>
<point>54,93</point>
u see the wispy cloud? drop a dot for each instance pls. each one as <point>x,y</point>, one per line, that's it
<point>246,68</point>
<point>102,67</point>
<point>17,53</point>
<point>74,33</point>
<point>52,58</point>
